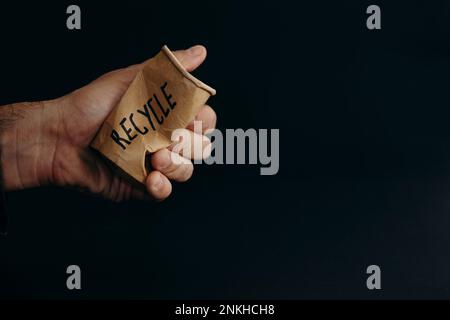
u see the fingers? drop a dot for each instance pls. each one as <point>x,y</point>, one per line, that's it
<point>207,117</point>
<point>158,186</point>
<point>192,57</point>
<point>172,165</point>
<point>190,145</point>
<point>167,166</point>
<point>175,165</point>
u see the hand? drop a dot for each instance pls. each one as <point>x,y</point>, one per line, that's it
<point>48,142</point>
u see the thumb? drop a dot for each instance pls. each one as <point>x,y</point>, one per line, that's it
<point>191,58</point>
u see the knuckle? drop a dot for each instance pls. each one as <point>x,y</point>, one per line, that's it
<point>186,173</point>
<point>162,160</point>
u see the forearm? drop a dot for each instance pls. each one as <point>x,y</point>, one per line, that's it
<point>27,143</point>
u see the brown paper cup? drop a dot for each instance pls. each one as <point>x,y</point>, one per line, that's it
<point>162,98</point>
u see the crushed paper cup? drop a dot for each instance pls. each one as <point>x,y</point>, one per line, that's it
<point>162,98</point>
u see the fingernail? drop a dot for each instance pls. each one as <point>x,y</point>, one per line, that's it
<point>195,50</point>
<point>156,186</point>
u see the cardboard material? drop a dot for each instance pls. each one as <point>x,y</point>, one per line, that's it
<point>163,97</point>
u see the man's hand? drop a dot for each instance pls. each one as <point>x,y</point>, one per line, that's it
<point>48,142</point>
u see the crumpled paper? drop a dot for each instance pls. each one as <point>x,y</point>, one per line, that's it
<point>162,98</point>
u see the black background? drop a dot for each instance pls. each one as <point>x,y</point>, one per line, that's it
<point>364,151</point>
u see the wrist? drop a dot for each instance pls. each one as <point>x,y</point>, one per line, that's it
<point>27,143</point>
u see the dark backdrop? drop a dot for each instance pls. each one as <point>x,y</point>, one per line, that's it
<point>365,153</point>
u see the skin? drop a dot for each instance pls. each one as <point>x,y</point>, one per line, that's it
<point>47,142</point>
